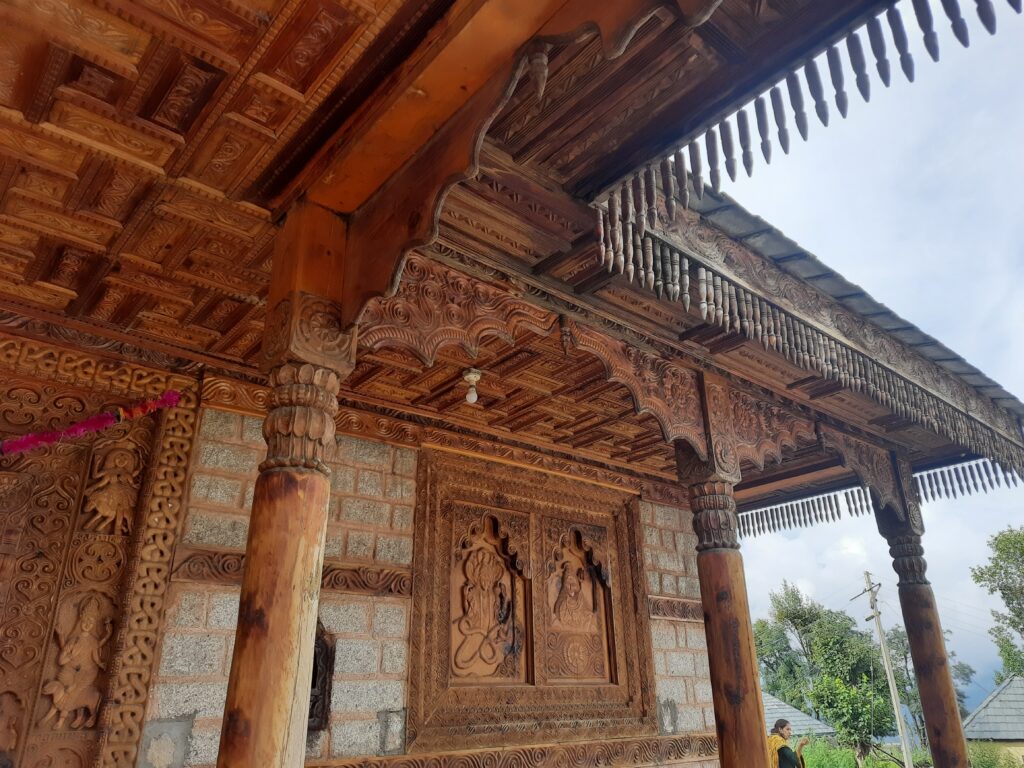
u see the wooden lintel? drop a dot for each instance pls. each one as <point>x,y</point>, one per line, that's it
<point>594,282</point>
<point>555,260</point>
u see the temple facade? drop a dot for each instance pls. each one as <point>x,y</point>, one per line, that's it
<point>464,378</point>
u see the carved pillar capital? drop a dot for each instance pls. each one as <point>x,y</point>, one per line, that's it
<point>299,428</point>
<point>307,353</point>
<point>714,515</point>
<point>908,559</point>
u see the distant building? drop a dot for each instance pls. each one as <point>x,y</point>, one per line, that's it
<point>803,724</point>
<point>1000,718</point>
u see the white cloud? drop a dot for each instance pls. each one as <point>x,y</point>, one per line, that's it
<point>916,197</point>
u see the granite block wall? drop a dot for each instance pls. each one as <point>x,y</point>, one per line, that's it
<point>682,678</point>
<point>371,522</point>
<point>372,496</point>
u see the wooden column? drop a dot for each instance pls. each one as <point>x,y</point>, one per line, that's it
<point>903,531</point>
<point>735,679</point>
<point>307,352</point>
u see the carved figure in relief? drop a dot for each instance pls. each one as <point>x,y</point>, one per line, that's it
<point>110,498</point>
<point>74,691</point>
<point>486,623</point>
<point>10,718</point>
<point>572,609</point>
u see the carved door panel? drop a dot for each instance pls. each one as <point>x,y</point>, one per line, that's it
<point>524,620</point>
<point>66,515</point>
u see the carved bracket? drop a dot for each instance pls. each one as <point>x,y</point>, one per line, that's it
<point>664,389</point>
<point>740,427</point>
<point>437,307</point>
<point>889,479</point>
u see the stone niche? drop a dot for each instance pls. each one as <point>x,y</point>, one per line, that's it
<point>525,625</point>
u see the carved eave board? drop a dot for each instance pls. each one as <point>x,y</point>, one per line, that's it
<point>525,626</point>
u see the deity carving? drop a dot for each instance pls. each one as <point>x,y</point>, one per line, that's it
<point>487,606</point>
<point>110,497</point>
<point>74,691</point>
<point>576,646</point>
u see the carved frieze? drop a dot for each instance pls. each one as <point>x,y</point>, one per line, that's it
<point>436,307</point>
<point>68,517</point>
<point>529,583</point>
<point>605,753</point>
<point>220,567</point>
<point>674,609</point>
<point>799,298</point>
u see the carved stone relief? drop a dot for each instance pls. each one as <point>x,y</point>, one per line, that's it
<point>525,591</point>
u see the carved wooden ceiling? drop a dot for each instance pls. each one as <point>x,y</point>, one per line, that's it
<point>139,141</point>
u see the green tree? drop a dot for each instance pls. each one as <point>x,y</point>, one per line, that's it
<point>1004,575</point>
<point>815,658</point>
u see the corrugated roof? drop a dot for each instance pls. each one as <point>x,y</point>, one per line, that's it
<point>762,238</point>
<point>1000,717</point>
<point>803,724</point>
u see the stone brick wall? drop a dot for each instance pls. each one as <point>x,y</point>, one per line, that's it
<point>682,679</point>
<point>372,496</point>
<point>372,492</point>
<point>368,687</point>
<point>371,521</point>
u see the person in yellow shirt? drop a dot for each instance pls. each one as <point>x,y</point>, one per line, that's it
<point>779,753</point>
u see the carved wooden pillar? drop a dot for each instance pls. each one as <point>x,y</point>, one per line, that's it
<point>924,631</point>
<point>735,681</point>
<point>307,354</point>
<point>898,514</point>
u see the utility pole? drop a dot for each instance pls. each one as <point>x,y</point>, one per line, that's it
<point>871,590</point>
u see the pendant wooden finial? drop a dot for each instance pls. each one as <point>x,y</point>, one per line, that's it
<point>538,63</point>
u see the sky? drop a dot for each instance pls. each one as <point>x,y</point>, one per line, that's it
<point>917,197</point>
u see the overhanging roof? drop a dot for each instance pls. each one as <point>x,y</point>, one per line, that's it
<point>1000,717</point>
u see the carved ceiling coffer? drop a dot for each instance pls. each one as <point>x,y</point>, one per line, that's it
<point>524,620</point>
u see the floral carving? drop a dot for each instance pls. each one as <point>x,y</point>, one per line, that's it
<point>760,429</point>
<point>676,610</point>
<point>183,97</point>
<point>663,388</point>
<point>306,328</point>
<point>437,307</point>
<point>207,565</point>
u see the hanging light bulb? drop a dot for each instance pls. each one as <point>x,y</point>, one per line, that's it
<point>471,376</point>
